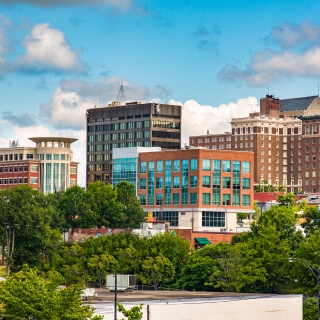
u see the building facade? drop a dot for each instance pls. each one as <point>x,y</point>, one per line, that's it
<point>285,139</point>
<point>131,125</point>
<point>196,189</point>
<point>49,167</point>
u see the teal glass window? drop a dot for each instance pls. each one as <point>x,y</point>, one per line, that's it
<point>206,164</point>
<point>246,183</point>
<point>138,125</point>
<point>206,182</point>
<point>226,182</point>
<point>146,124</point>
<point>206,198</point>
<point>143,199</point>
<point>184,197</point>
<point>246,167</point>
<point>226,199</point>
<point>56,156</point>
<point>216,199</point>
<point>226,166</point>
<point>216,165</point>
<point>48,156</point>
<point>246,200</point>
<point>122,125</point>
<point>193,198</point>
<point>213,219</point>
<point>143,167</point>
<point>176,182</point>
<point>159,166</point>
<point>167,165</point>
<point>236,166</point>
<point>159,199</point>
<point>91,138</point>
<point>159,183</point>
<point>193,164</point>
<point>143,183</point>
<point>176,198</point>
<point>130,125</point>
<point>176,165</point>
<point>236,199</point>
<point>193,181</point>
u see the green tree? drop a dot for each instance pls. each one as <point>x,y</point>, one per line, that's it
<point>310,309</point>
<point>133,212</point>
<point>312,223</point>
<point>99,266</point>
<point>29,294</point>
<point>134,313</point>
<point>104,203</point>
<point>25,218</point>
<point>287,199</point>
<point>158,271</point>
<point>76,208</point>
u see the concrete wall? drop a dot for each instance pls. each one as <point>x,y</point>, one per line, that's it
<point>253,308</point>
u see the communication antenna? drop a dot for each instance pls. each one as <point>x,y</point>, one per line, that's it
<point>121,96</point>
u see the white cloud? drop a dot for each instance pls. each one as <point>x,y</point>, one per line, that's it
<point>68,105</point>
<point>47,48</point>
<point>197,119</point>
<point>288,35</point>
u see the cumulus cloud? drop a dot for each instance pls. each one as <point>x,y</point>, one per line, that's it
<point>289,35</point>
<point>23,120</point>
<point>122,4</point>
<point>197,119</point>
<point>46,48</point>
<point>68,105</point>
<point>269,65</point>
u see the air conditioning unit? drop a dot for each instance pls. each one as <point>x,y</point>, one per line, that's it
<point>223,230</point>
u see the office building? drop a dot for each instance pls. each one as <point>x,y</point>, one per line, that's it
<point>196,189</point>
<point>48,167</point>
<point>285,139</point>
<point>134,124</point>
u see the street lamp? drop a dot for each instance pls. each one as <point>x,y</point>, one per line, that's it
<point>316,273</point>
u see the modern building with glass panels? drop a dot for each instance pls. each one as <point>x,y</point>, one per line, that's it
<point>197,189</point>
<point>49,167</point>
<point>134,124</point>
<point>125,164</point>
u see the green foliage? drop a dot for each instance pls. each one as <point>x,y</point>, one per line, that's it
<point>29,294</point>
<point>134,313</point>
<point>26,216</point>
<point>310,309</point>
<point>287,199</point>
<point>242,215</point>
<point>133,213</point>
<point>312,223</point>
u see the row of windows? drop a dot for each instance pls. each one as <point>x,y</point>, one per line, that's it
<point>111,146</point>
<point>10,181</point>
<point>209,218</point>
<point>20,168</point>
<point>227,183</point>
<point>10,157</point>
<point>55,156</point>
<point>207,165</point>
<point>119,126</point>
<point>119,136</point>
<point>191,198</point>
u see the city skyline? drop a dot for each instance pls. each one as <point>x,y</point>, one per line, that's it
<point>215,58</point>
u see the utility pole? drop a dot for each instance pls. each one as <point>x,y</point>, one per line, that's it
<point>115,296</point>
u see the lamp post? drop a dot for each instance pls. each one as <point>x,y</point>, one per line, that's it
<point>316,273</point>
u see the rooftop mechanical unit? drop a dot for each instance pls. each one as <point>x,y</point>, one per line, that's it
<point>125,282</point>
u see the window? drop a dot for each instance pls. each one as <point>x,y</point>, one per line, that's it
<point>193,181</point>
<point>176,165</point>
<point>206,182</point>
<point>48,156</point>
<point>143,199</point>
<point>194,164</point>
<point>246,200</point>
<point>33,168</point>
<point>226,199</point>
<point>158,183</point>
<point>143,167</point>
<point>226,166</point>
<point>33,180</point>
<point>176,182</point>
<point>143,183</point>
<point>159,166</point>
<point>159,199</point>
<point>176,198</point>
<point>246,183</point>
<point>246,167</point>
<point>206,198</point>
<point>226,182</point>
<point>206,164</point>
<point>213,219</point>
<point>146,124</point>
<point>193,198</point>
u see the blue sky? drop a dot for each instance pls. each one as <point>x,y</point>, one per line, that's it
<point>216,58</point>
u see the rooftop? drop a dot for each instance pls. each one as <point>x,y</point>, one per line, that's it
<point>296,103</point>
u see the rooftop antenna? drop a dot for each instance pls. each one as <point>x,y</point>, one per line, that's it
<point>121,96</point>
